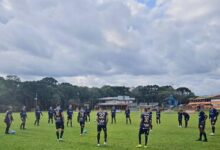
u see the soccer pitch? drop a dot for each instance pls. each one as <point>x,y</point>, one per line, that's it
<point>167,136</point>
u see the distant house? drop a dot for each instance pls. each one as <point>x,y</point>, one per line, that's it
<point>170,102</point>
<point>119,102</point>
<point>204,102</point>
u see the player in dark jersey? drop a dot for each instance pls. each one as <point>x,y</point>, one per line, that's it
<point>180,118</point>
<point>50,115</point>
<point>23,115</point>
<point>88,111</point>
<point>59,119</point>
<point>70,116</point>
<point>213,115</point>
<point>8,119</point>
<point>81,120</point>
<point>38,114</point>
<point>186,118</point>
<point>144,127</point>
<point>102,120</point>
<point>127,114</point>
<point>158,116</point>
<point>150,117</point>
<point>113,114</point>
<point>202,121</point>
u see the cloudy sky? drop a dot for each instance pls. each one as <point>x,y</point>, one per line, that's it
<point>116,42</point>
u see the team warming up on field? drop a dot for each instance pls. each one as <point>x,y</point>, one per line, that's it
<point>56,115</point>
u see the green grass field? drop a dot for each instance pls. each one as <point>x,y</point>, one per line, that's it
<point>166,136</point>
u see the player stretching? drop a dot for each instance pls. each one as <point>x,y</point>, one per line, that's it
<point>113,113</point>
<point>81,120</point>
<point>50,115</point>
<point>144,127</point>
<point>102,120</point>
<point>186,118</point>
<point>8,119</point>
<point>180,118</point>
<point>38,114</point>
<point>127,114</point>
<point>70,116</point>
<point>202,120</point>
<point>213,115</point>
<point>158,116</point>
<point>59,119</point>
<point>23,115</point>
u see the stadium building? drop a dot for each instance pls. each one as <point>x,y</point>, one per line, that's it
<point>119,102</point>
<point>204,102</point>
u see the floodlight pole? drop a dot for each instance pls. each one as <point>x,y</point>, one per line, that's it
<point>36,100</point>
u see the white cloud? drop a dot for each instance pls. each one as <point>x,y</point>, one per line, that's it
<point>97,42</point>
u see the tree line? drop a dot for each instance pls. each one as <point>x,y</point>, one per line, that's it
<point>48,92</point>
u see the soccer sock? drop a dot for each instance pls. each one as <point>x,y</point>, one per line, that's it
<point>81,130</point>
<point>71,123</point>
<point>204,134</point>
<point>21,126</point>
<point>61,134</point>
<point>130,120</point>
<point>57,133</point>
<point>139,138</point>
<point>200,136</point>
<point>67,124</point>
<point>105,136</point>
<point>146,139</point>
<point>98,138</point>
<point>213,129</point>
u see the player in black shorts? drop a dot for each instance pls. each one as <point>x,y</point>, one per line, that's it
<point>144,127</point>
<point>127,114</point>
<point>202,121</point>
<point>186,118</point>
<point>180,118</point>
<point>102,120</point>
<point>158,116</point>
<point>23,115</point>
<point>69,116</point>
<point>150,117</point>
<point>38,114</point>
<point>113,113</point>
<point>88,111</point>
<point>81,120</point>
<point>213,115</point>
<point>50,115</point>
<point>59,119</point>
